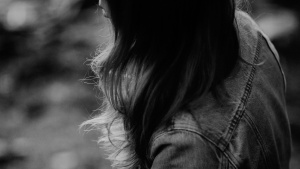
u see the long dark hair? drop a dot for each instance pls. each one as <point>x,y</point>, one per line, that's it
<point>164,57</point>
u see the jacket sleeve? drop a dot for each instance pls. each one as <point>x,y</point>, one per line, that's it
<point>181,149</point>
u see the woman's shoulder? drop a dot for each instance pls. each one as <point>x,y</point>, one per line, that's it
<point>188,138</point>
<point>181,145</point>
<point>224,127</point>
<point>205,123</point>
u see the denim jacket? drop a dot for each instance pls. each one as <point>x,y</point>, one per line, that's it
<point>251,132</point>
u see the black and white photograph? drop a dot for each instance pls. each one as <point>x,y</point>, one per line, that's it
<point>136,84</point>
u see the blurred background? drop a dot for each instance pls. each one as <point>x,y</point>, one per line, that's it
<point>44,51</point>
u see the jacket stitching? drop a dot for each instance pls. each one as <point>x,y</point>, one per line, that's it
<point>203,136</point>
<point>241,108</point>
<point>259,138</point>
<point>238,114</point>
<point>225,163</point>
<point>236,118</point>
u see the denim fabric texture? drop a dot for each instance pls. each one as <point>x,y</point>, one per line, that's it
<point>251,132</point>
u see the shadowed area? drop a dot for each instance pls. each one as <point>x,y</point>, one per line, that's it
<point>44,51</point>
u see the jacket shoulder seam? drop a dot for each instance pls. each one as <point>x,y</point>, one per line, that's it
<point>227,154</point>
<point>247,92</point>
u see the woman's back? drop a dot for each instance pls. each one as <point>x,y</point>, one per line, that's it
<point>190,84</point>
<point>250,130</point>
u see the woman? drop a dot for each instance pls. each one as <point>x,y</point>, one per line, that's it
<point>190,84</point>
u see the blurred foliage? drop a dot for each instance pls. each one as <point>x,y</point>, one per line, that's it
<point>44,48</point>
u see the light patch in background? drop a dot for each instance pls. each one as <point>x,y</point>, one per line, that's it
<point>279,24</point>
<point>58,92</point>
<point>62,8</point>
<point>20,15</point>
<point>64,160</point>
<point>6,84</point>
<point>3,148</point>
<point>22,145</point>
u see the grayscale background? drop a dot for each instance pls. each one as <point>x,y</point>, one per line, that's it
<point>45,48</point>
